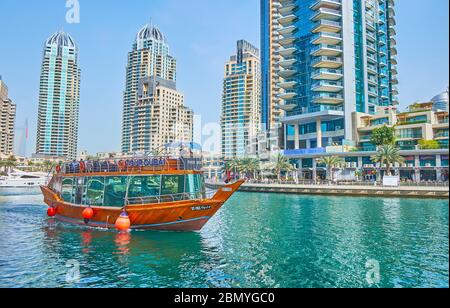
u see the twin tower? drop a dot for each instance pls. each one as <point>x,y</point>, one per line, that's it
<point>154,114</point>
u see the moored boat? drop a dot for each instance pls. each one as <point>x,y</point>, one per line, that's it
<point>166,194</point>
<point>21,179</point>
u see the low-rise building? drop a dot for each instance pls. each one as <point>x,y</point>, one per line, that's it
<point>422,163</point>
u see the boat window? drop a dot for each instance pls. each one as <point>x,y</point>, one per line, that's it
<point>79,190</point>
<point>172,185</point>
<point>194,185</point>
<point>95,191</point>
<point>67,189</point>
<point>144,186</point>
<point>29,177</point>
<point>115,191</point>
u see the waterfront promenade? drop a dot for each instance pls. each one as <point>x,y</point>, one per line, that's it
<point>440,192</point>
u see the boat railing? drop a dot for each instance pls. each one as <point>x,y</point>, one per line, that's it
<point>170,198</point>
<point>164,198</point>
<point>131,165</point>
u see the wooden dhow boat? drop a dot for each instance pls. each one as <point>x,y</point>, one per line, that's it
<point>163,193</point>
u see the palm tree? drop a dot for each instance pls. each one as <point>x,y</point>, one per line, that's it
<point>388,155</point>
<point>3,165</point>
<point>47,166</point>
<point>249,166</point>
<point>282,164</point>
<point>10,163</point>
<point>331,162</point>
<point>232,166</point>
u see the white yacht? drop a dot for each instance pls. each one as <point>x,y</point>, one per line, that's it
<point>21,179</point>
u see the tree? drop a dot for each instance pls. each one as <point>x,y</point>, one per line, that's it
<point>388,155</point>
<point>282,164</point>
<point>383,136</point>
<point>47,166</point>
<point>331,162</point>
<point>429,144</point>
<point>250,166</point>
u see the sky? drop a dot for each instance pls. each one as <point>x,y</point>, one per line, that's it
<point>202,35</point>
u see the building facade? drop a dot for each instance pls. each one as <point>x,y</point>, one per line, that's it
<point>441,101</point>
<point>153,112</point>
<point>7,121</point>
<point>422,162</point>
<point>241,107</point>
<point>336,58</point>
<point>59,98</point>
<point>271,114</point>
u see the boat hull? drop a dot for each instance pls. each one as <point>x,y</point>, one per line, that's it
<point>174,216</point>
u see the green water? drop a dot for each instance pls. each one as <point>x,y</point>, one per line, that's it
<point>256,240</point>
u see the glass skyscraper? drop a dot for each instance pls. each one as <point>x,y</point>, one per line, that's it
<point>336,57</point>
<point>59,98</point>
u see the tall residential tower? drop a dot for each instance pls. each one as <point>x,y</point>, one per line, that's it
<point>7,120</point>
<point>337,57</point>
<point>241,99</point>
<point>59,98</point>
<point>153,111</point>
<point>271,114</point>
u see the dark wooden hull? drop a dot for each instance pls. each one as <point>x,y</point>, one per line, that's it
<point>173,216</point>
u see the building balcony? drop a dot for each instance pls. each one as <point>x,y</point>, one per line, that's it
<point>327,62</point>
<point>288,9</point>
<point>287,73</point>
<point>394,70</point>
<point>394,90</point>
<point>328,98</point>
<point>373,92</point>
<point>288,20</point>
<point>373,81</point>
<point>334,4</point>
<point>287,51</point>
<point>327,74</point>
<point>287,95</point>
<point>288,84</point>
<point>285,31</point>
<point>287,63</point>
<point>328,38</point>
<point>327,26</point>
<point>326,50</point>
<point>372,69</point>
<point>394,51</point>
<point>327,86</point>
<point>287,41</point>
<point>326,13</point>
<point>393,41</point>
<point>287,107</point>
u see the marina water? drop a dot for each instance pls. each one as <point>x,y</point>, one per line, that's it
<point>257,240</point>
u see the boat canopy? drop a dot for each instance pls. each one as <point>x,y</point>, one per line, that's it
<point>124,190</point>
<point>131,165</point>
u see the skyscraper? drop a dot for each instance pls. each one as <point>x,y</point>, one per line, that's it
<point>241,107</point>
<point>337,57</point>
<point>271,114</point>
<point>59,98</point>
<point>7,120</point>
<point>153,111</point>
